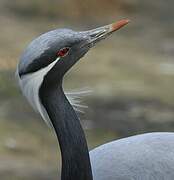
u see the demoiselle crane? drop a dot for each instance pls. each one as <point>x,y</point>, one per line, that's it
<point>40,74</point>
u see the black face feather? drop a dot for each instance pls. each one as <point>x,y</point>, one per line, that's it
<point>44,60</point>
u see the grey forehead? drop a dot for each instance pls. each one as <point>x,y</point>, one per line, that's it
<point>58,38</point>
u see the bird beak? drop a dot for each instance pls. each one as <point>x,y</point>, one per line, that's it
<point>100,33</point>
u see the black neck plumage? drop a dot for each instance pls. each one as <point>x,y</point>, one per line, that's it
<point>75,156</point>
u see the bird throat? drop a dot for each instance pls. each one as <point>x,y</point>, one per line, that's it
<point>75,155</point>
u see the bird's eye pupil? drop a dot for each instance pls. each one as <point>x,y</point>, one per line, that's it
<point>62,52</point>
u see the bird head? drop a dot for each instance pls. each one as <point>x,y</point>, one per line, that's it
<point>52,54</point>
<point>63,46</point>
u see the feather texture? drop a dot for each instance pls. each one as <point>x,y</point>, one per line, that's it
<point>75,98</point>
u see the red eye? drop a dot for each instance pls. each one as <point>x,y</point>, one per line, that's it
<point>62,52</point>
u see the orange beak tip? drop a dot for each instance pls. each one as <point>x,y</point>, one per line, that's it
<point>119,24</point>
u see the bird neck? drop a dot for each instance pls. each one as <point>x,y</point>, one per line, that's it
<point>75,156</point>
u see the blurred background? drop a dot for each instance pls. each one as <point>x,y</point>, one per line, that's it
<point>131,75</point>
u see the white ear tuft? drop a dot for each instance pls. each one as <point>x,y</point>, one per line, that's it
<point>31,83</point>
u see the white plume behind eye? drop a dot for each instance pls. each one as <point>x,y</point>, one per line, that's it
<point>31,83</point>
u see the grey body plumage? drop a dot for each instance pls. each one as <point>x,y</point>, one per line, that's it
<point>143,157</point>
<point>40,75</point>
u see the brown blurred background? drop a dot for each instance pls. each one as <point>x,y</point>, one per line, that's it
<point>131,75</point>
